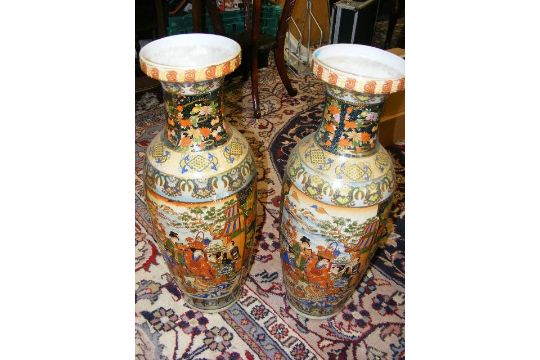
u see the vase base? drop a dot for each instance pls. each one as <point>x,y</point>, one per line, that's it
<point>211,311</point>
<point>215,305</point>
<point>314,317</point>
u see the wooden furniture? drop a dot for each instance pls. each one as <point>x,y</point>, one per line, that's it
<point>398,7</point>
<point>279,49</point>
<point>251,41</point>
<point>150,23</point>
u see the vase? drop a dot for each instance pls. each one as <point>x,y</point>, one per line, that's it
<point>199,174</point>
<point>338,181</point>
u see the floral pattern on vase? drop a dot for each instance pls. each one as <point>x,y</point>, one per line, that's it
<point>195,120</point>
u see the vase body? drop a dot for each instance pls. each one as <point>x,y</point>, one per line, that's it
<point>200,177</point>
<point>337,190</point>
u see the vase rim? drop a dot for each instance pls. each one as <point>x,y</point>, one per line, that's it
<point>359,68</point>
<point>190,57</point>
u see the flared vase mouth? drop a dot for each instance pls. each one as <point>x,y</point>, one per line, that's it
<point>190,57</point>
<point>359,68</point>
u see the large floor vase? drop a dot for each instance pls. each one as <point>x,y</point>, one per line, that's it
<point>339,181</point>
<point>200,176</point>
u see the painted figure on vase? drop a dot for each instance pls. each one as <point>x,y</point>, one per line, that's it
<point>209,253</point>
<point>326,251</point>
<point>318,268</point>
<point>195,258</point>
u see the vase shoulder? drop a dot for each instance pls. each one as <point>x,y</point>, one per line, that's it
<point>341,179</point>
<point>199,176</point>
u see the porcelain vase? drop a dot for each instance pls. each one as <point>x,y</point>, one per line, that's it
<point>200,176</point>
<point>338,181</point>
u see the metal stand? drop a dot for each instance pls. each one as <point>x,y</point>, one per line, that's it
<point>297,55</point>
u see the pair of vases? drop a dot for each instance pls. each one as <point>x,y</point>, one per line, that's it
<point>201,183</point>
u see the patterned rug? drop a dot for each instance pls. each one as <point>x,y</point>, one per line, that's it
<point>262,325</point>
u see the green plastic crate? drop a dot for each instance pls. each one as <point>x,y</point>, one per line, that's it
<point>179,24</point>
<point>233,22</point>
<point>270,15</point>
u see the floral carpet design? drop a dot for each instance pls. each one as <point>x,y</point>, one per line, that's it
<point>262,325</point>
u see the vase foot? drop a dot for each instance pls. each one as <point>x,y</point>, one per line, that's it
<point>211,307</point>
<point>211,311</point>
<point>314,317</point>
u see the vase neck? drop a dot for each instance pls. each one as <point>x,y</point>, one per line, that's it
<point>350,122</point>
<point>194,115</point>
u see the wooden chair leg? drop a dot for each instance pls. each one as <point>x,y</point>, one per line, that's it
<point>397,8</point>
<point>215,18</point>
<point>177,8</point>
<point>246,60</point>
<point>196,15</point>
<point>280,46</point>
<point>254,58</point>
<point>161,22</point>
<point>255,83</point>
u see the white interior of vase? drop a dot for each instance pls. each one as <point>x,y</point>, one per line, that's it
<point>362,61</point>
<point>190,51</point>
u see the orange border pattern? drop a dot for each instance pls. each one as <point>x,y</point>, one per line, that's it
<point>190,75</point>
<point>352,83</point>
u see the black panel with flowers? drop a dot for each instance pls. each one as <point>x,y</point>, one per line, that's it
<point>349,127</point>
<point>194,121</point>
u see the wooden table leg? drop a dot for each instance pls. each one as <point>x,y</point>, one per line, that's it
<point>160,11</point>
<point>214,17</point>
<point>254,57</point>
<point>196,15</point>
<point>280,46</point>
<point>397,8</point>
